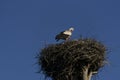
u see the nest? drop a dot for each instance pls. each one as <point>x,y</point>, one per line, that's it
<point>66,61</point>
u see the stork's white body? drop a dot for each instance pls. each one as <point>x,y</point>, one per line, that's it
<point>67,33</point>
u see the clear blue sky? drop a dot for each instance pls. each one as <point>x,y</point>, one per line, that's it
<point>26,25</point>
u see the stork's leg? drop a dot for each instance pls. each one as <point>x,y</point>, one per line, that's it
<point>68,38</point>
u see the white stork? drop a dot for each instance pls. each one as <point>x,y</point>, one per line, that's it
<point>64,35</point>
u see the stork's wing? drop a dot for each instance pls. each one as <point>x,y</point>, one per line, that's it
<point>58,36</point>
<point>61,35</point>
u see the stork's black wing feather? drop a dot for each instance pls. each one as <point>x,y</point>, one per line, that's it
<point>61,36</point>
<point>57,38</point>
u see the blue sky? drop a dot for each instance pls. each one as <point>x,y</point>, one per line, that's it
<point>27,25</point>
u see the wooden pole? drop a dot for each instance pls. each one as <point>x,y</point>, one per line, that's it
<point>86,75</point>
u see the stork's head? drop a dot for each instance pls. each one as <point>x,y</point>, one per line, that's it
<point>71,29</point>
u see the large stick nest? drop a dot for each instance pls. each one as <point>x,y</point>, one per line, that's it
<point>66,61</point>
